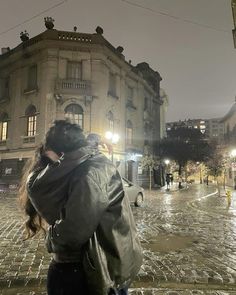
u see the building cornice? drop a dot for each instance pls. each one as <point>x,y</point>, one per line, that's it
<point>64,40</point>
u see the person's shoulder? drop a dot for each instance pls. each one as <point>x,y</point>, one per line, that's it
<point>100,168</point>
<point>96,164</point>
<point>99,159</point>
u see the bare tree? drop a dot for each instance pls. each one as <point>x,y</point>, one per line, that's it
<point>149,162</point>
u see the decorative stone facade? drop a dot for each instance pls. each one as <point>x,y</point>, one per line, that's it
<point>60,74</point>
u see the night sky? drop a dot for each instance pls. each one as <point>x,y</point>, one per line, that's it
<point>188,41</point>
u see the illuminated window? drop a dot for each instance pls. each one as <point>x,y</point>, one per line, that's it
<point>75,114</point>
<point>31,120</point>
<point>129,132</point>
<point>3,126</point>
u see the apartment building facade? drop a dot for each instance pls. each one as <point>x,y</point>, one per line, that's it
<point>213,129</point>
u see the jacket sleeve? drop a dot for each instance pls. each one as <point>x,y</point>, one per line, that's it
<point>86,203</point>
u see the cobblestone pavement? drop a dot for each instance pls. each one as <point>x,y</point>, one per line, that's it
<point>189,246</point>
<point>189,240</point>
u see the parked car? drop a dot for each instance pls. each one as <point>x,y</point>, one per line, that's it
<point>134,192</point>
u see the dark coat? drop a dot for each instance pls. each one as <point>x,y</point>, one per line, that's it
<point>79,196</point>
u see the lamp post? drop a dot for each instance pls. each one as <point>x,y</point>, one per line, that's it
<point>233,166</point>
<point>113,139</point>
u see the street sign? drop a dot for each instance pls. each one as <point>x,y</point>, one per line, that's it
<point>233,166</point>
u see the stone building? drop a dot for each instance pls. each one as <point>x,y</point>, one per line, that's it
<point>215,130</point>
<point>229,121</point>
<point>61,74</point>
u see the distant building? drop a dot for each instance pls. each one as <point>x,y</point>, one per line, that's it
<point>229,121</point>
<point>213,129</point>
<point>82,77</point>
<point>199,124</point>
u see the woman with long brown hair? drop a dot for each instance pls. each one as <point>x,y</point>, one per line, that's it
<point>34,222</point>
<point>78,193</point>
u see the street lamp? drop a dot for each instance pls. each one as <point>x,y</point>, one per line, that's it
<point>167,161</point>
<point>113,138</point>
<point>233,153</point>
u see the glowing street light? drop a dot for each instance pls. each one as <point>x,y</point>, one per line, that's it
<point>108,135</point>
<point>113,138</point>
<point>233,153</point>
<point>167,161</point>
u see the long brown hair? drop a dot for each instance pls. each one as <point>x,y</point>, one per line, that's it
<point>34,222</point>
<point>64,137</point>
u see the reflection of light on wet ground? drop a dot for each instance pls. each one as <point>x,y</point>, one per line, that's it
<point>232,210</point>
<point>167,203</point>
<point>233,202</point>
<point>24,290</point>
<point>166,243</point>
<point>189,237</point>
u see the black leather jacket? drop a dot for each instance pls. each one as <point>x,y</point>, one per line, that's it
<point>81,195</point>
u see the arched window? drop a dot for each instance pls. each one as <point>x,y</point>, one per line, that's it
<point>110,117</point>
<point>3,126</point>
<point>31,116</point>
<point>129,132</point>
<point>75,114</point>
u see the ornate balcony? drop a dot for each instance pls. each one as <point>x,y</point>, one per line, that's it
<point>73,86</point>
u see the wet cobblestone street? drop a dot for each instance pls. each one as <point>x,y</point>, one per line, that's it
<point>188,239</point>
<point>189,242</point>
